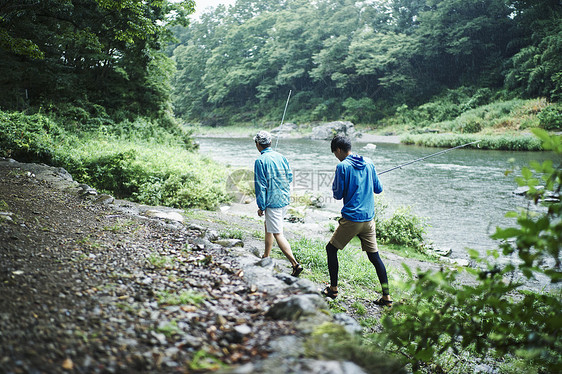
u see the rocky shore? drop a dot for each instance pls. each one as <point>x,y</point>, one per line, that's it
<point>319,131</point>
<point>90,284</point>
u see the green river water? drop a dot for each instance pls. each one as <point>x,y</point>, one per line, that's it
<point>463,194</point>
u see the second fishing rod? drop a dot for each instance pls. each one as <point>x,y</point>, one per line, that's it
<point>428,156</point>
<point>283,118</point>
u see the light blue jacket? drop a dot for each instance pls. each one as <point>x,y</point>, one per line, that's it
<point>356,182</point>
<point>272,180</point>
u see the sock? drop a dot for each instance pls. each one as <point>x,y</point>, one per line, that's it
<point>381,270</point>
<point>333,265</point>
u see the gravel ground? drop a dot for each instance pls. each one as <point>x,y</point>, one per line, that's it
<point>88,289</point>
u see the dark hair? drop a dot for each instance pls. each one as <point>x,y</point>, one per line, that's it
<point>341,142</point>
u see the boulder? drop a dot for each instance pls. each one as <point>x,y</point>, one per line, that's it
<point>105,199</point>
<point>349,323</point>
<point>521,191</point>
<point>327,131</point>
<point>229,243</point>
<point>172,216</point>
<point>331,367</point>
<point>284,130</point>
<point>297,306</point>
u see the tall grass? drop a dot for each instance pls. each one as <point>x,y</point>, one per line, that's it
<point>139,160</point>
<point>462,116</point>
<point>357,275</point>
<point>153,174</point>
<point>495,142</point>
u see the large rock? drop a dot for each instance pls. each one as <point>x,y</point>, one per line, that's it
<point>294,307</point>
<point>327,131</point>
<point>285,130</point>
<point>172,216</point>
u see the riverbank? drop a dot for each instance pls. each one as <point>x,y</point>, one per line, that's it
<point>303,132</point>
<point>94,284</point>
<point>502,125</point>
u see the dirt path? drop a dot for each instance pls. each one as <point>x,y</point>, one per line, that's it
<point>87,288</point>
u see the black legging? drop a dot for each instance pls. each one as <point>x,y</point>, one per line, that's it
<point>333,267</point>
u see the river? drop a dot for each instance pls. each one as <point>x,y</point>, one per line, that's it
<point>463,194</point>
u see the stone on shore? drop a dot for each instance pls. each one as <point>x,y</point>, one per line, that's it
<point>329,130</point>
<point>297,306</point>
<point>285,130</point>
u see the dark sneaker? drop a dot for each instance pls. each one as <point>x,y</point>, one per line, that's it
<point>383,303</point>
<point>329,293</point>
<point>297,269</point>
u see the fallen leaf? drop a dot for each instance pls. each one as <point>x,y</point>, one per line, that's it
<point>68,364</point>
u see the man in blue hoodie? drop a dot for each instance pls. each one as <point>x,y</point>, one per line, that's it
<point>272,181</point>
<point>356,182</point>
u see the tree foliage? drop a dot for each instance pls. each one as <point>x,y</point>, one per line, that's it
<point>98,55</point>
<point>333,54</point>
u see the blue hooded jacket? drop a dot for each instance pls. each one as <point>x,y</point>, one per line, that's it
<point>272,180</point>
<point>356,182</point>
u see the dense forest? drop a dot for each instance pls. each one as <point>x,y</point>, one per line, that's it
<point>87,58</point>
<point>362,60</point>
<point>96,60</point>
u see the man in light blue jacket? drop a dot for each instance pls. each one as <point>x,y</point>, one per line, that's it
<point>356,182</point>
<point>272,181</point>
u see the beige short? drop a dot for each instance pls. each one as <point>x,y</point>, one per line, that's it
<point>274,219</point>
<point>347,230</point>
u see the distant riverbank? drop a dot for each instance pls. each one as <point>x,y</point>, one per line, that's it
<point>303,133</point>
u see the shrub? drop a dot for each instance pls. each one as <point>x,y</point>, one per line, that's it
<point>147,173</point>
<point>324,110</point>
<point>550,118</point>
<point>363,110</point>
<point>135,159</point>
<point>498,142</point>
<point>481,97</point>
<point>403,228</point>
<point>331,341</point>
<point>27,138</point>
<point>470,125</point>
<point>438,111</point>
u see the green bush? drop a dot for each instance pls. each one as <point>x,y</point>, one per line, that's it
<point>471,125</point>
<point>147,173</point>
<point>362,110</point>
<point>437,111</point>
<point>324,110</point>
<point>403,228</point>
<point>32,138</point>
<point>331,341</point>
<point>480,98</point>
<point>550,118</point>
<point>138,160</point>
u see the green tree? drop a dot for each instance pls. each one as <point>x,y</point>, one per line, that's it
<point>243,59</point>
<point>460,40</point>
<point>88,54</point>
<point>535,69</point>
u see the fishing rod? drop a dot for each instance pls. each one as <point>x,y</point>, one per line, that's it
<point>428,156</point>
<point>283,118</point>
